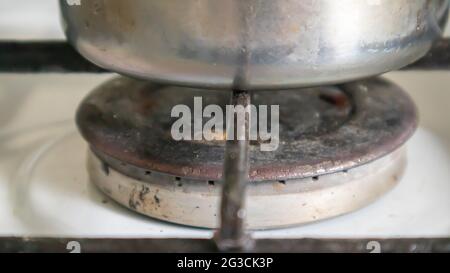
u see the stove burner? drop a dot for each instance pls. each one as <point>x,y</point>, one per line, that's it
<point>339,150</point>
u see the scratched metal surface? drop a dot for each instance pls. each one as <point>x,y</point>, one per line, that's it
<point>322,130</point>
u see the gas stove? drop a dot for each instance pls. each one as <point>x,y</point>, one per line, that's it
<point>355,166</point>
<point>46,193</point>
<point>341,151</point>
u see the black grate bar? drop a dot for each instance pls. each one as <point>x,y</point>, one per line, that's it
<point>60,245</point>
<point>43,57</point>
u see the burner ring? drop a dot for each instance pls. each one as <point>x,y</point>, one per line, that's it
<point>270,204</point>
<point>323,130</point>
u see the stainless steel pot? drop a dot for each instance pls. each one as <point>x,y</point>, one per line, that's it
<point>253,44</point>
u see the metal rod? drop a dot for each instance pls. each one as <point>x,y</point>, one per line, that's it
<point>232,236</point>
<point>60,57</point>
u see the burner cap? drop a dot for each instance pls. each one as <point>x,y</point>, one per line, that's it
<point>322,130</point>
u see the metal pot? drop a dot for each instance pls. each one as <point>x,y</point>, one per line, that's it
<point>253,44</point>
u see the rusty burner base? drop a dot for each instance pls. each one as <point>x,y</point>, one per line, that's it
<point>341,147</point>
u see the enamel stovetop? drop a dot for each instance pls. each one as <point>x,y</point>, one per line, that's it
<point>44,190</point>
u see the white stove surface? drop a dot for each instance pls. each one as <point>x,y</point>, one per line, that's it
<point>44,189</point>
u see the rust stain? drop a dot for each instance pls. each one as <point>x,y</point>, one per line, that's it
<point>132,202</point>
